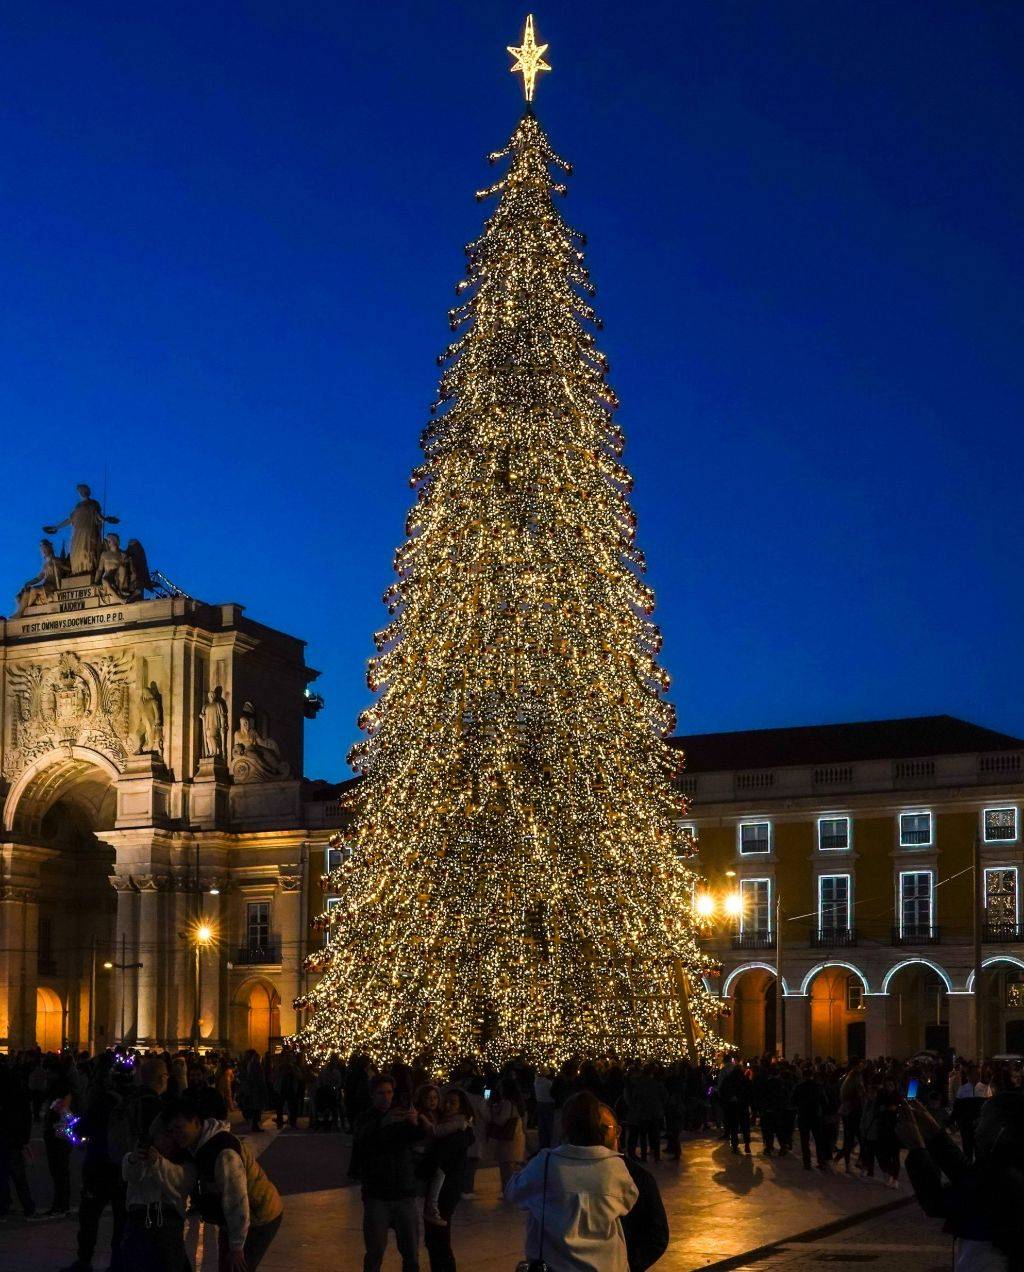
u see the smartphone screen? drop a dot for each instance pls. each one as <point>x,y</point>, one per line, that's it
<point>487,1093</point>
<point>912,1089</point>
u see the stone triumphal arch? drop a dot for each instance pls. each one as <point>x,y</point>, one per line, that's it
<point>150,782</point>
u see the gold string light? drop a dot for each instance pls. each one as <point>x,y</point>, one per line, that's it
<point>515,880</point>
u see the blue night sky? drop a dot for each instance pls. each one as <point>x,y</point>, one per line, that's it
<point>229,235</point>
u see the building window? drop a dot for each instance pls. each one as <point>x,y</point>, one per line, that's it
<point>1001,913</point>
<point>916,903</point>
<point>1000,825</point>
<point>834,903</point>
<point>756,905</point>
<point>257,925</point>
<point>755,837</point>
<point>854,994</point>
<point>686,843</point>
<point>915,830</point>
<point>332,859</point>
<point>833,833</point>
<point>329,931</point>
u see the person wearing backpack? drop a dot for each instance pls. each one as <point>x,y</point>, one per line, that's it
<point>232,1189</point>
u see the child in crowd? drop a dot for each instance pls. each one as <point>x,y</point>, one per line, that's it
<point>443,1152</point>
<point>159,1179</point>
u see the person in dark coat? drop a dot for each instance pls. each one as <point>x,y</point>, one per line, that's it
<point>772,1099</point>
<point>734,1094</point>
<point>58,1149</point>
<point>15,1132</point>
<point>253,1097</point>
<point>382,1162</point>
<point>109,1131</point>
<point>645,1226</point>
<point>809,1101</point>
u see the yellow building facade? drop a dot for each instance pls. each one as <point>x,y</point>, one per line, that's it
<point>840,859</point>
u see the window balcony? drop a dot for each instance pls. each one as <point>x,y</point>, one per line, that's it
<point>755,940</point>
<point>833,843</point>
<point>833,938</point>
<point>255,955</point>
<point>915,934</point>
<point>910,838</point>
<point>1004,933</point>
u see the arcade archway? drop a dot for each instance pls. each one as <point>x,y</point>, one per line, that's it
<point>753,1009</point>
<point>916,1007</point>
<point>64,802</point>
<point>49,1020</point>
<point>1001,997</point>
<point>836,1000</point>
<point>261,1017</point>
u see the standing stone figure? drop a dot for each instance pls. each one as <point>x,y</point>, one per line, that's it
<point>215,725</point>
<point>152,713</point>
<point>86,521</point>
<point>45,584</point>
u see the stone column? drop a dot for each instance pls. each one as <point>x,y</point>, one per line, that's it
<point>962,1006</point>
<point>150,955</point>
<point>797,1011</point>
<point>876,1030</point>
<point>19,920</point>
<point>124,975</point>
<point>19,942</point>
<point>181,960</point>
<point>290,922</point>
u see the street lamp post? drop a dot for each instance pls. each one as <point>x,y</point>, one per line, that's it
<point>201,939</point>
<point>978,903</point>
<point>707,905</point>
<point>779,1049</point>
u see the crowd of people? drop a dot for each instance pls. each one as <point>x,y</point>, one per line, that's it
<point>155,1132</point>
<point>156,1139</point>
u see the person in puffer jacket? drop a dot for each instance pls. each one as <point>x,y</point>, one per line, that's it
<point>232,1189</point>
<point>159,1179</point>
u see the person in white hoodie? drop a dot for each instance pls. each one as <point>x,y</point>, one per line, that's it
<point>232,1189</point>
<point>576,1196</point>
<point>159,1179</point>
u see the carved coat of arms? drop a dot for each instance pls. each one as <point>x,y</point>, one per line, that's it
<point>72,702</point>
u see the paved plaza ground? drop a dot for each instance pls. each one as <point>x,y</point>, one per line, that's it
<point>721,1208</point>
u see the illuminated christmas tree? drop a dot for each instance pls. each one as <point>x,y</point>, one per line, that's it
<point>515,880</point>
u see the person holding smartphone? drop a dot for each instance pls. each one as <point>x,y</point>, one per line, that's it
<point>982,1204</point>
<point>382,1161</point>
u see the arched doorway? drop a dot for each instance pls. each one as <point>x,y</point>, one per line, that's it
<point>753,1009</point>
<point>263,1018</point>
<point>64,802</point>
<point>49,1020</point>
<point>1002,1004</point>
<point>837,1011</point>
<point>916,1008</point>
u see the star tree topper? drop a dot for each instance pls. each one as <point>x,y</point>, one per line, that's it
<point>529,59</point>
